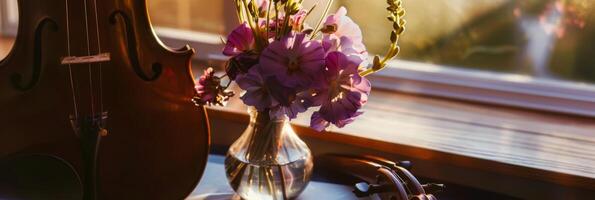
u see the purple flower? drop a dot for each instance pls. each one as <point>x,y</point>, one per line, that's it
<point>240,64</point>
<point>272,27</point>
<point>257,91</point>
<point>266,92</point>
<point>293,61</point>
<point>290,111</point>
<point>299,104</point>
<point>241,39</point>
<point>209,90</point>
<point>343,93</point>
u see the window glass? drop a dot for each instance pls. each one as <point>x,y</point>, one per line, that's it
<point>552,39</point>
<point>9,19</point>
<point>196,15</point>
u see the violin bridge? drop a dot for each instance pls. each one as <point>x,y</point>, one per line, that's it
<point>102,57</point>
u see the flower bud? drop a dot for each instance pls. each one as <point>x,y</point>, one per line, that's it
<point>376,64</point>
<point>393,36</point>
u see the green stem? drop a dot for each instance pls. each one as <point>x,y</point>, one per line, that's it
<point>286,21</point>
<point>396,17</point>
<point>277,21</point>
<point>256,29</point>
<point>239,12</point>
<point>268,28</point>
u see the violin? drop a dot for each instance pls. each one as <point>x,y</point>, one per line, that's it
<point>94,106</point>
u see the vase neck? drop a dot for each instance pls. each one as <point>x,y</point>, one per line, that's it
<point>266,137</point>
<point>265,116</point>
<point>264,126</point>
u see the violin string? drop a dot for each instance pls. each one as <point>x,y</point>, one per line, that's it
<point>100,68</point>
<point>76,112</point>
<point>89,53</point>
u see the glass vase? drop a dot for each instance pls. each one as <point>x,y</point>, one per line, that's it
<point>269,160</point>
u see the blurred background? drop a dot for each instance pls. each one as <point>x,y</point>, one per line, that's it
<point>550,39</point>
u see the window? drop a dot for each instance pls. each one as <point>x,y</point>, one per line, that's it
<point>9,20</point>
<point>541,38</point>
<point>525,53</point>
<point>550,39</point>
<point>185,14</point>
<point>530,54</point>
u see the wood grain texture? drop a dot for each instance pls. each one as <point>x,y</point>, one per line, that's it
<point>527,145</point>
<point>158,140</point>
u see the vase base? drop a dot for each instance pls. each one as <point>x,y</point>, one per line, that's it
<point>264,182</point>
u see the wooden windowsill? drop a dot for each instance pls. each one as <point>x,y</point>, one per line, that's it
<point>527,154</point>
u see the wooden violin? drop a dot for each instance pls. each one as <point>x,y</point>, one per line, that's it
<point>90,99</point>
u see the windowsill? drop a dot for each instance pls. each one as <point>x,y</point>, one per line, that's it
<point>506,149</point>
<point>488,147</point>
<point>505,89</point>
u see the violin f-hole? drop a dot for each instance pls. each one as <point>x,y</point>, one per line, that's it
<point>17,79</point>
<point>156,67</point>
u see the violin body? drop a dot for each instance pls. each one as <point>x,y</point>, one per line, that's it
<point>127,126</point>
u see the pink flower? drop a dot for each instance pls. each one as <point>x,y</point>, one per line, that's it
<point>342,95</point>
<point>341,32</point>
<point>209,90</point>
<point>340,25</point>
<point>263,6</point>
<point>206,86</point>
<point>345,46</point>
<point>240,40</point>
<point>294,61</point>
<point>297,20</point>
<point>257,90</point>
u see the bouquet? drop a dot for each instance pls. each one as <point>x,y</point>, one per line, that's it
<point>285,66</point>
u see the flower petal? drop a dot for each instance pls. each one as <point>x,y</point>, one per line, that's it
<point>239,40</point>
<point>317,122</point>
<point>256,92</point>
<point>294,61</point>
